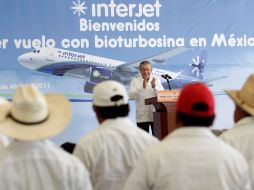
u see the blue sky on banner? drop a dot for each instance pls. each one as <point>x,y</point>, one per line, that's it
<point>224,26</point>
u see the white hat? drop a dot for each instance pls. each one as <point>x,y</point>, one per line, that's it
<point>34,116</point>
<point>244,98</point>
<point>109,93</point>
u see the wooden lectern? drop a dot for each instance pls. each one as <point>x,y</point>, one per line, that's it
<point>164,115</point>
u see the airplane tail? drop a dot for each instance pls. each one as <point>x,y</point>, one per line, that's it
<point>197,66</point>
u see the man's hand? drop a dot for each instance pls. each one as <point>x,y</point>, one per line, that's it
<point>153,83</point>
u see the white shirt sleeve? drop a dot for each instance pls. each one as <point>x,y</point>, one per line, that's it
<point>139,177</point>
<point>133,89</point>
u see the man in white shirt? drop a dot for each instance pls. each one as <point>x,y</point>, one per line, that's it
<point>191,157</point>
<point>111,151</point>
<point>143,87</point>
<point>241,136</point>
<point>31,162</point>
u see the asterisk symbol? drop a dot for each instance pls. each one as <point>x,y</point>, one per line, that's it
<point>79,7</point>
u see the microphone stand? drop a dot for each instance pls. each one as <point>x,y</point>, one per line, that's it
<point>168,83</point>
<point>167,77</point>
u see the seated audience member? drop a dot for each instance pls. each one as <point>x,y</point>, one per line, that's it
<point>191,157</point>
<point>4,106</point>
<point>31,162</point>
<point>241,136</point>
<point>111,151</point>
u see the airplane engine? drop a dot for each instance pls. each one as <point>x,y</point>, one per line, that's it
<point>97,75</point>
<point>100,74</point>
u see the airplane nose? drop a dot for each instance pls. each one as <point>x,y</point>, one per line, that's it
<point>22,59</point>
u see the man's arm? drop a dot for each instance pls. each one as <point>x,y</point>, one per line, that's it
<point>133,89</point>
<point>84,156</point>
<point>139,177</point>
<point>158,85</point>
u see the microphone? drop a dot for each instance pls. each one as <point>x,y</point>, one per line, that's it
<point>167,77</point>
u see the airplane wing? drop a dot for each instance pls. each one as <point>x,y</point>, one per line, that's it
<point>207,81</point>
<point>158,58</point>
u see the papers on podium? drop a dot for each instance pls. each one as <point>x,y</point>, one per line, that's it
<point>168,95</point>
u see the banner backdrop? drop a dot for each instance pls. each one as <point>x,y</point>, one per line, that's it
<point>69,46</point>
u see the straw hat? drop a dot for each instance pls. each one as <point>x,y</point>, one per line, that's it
<point>34,116</point>
<point>244,98</point>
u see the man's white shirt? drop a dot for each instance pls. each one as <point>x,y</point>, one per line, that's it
<point>111,151</point>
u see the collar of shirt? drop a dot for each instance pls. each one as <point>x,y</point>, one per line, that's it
<point>36,143</point>
<point>190,131</point>
<point>245,121</point>
<point>150,78</point>
<point>116,122</point>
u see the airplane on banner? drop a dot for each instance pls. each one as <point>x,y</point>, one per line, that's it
<point>94,69</point>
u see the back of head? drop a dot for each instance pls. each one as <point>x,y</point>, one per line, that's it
<point>110,99</point>
<point>195,106</point>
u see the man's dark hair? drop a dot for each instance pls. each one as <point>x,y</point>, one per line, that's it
<point>144,63</point>
<point>112,112</point>
<point>191,120</point>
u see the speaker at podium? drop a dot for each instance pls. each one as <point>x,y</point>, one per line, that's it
<point>165,111</point>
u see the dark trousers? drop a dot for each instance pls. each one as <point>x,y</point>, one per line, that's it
<point>145,126</point>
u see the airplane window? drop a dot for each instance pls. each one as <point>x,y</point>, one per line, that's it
<point>38,51</point>
<point>34,51</point>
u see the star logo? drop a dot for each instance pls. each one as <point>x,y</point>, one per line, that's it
<point>197,65</point>
<point>79,8</point>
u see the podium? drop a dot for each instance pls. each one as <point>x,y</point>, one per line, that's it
<point>165,112</point>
